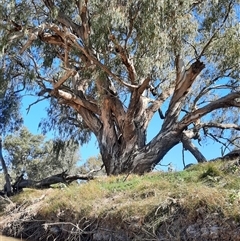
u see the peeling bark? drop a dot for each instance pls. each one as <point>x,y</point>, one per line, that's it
<point>184,81</point>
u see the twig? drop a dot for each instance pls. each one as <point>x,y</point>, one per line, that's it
<point>6,199</point>
<point>35,102</point>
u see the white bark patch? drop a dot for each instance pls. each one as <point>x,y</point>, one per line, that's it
<point>65,95</point>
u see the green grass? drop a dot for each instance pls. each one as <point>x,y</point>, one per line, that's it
<point>152,197</point>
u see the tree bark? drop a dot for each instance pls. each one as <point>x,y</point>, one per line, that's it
<point>140,160</point>
<point>5,170</point>
<point>188,145</point>
<point>47,182</point>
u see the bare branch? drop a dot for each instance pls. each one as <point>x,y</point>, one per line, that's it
<point>220,125</point>
<point>188,145</point>
<point>224,102</point>
<point>207,88</point>
<point>35,102</point>
<point>216,139</point>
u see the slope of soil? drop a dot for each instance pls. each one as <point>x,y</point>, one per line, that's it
<point>200,203</point>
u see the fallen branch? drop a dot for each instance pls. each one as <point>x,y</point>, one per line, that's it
<point>63,177</point>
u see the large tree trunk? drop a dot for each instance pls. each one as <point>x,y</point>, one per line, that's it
<point>7,187</point>
<point>139,160</point>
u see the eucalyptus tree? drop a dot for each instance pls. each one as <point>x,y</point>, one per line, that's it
<point>108,67</point>
<point>10,118</point>
<point>10,90</point>
<point>38,158</point>
<point>93,165</point>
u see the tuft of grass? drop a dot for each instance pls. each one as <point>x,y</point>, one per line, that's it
<point>210,171</point>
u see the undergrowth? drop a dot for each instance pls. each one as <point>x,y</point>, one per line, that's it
<point>151,197</point>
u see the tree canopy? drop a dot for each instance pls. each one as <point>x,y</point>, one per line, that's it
<point>37,158</point>
<point>10,117</point>
<point>107,67</point>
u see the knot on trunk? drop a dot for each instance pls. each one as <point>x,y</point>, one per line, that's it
<point>197,67</point>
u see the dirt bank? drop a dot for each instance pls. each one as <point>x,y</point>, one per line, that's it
<point>198,205</point>
<point>168,222</point>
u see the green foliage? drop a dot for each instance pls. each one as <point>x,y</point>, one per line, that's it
<point>152,31</point>
<point>93,163</point>
<point>68,123</point>
<point>10,118</point>
<point>37,157</point>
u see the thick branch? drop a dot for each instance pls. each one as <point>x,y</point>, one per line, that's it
<point>109,130</point>
<point>125,60</point>
<point>89,111</point>
<point>47,182</point>
<point>68,73</point>
<point>118,111</point>
<point>158,102</point>
<point>135,98</point>
<point>184,81</point>
<point>224,102</point>
<point>220,125</point>
<point>77,100</point>
<point>91,119</point>
<point>188,145</point>
<point>144,85</point>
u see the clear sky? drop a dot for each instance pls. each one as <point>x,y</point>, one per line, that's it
<point>37,112</point>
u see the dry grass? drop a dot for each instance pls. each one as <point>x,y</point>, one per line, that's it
<point>149,199</point>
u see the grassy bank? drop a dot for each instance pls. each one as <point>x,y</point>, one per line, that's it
<point>174,206</point>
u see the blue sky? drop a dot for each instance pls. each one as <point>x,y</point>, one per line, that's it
<point>37,112</point>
